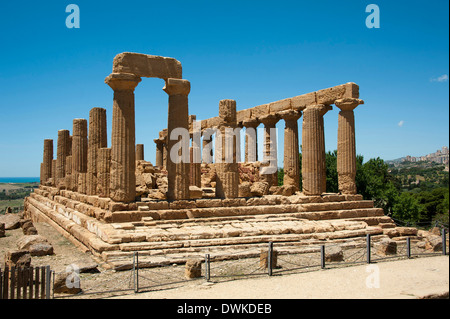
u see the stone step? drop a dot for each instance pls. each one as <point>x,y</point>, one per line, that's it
<point>209,212</point>
<point>121,260</point>
<point>213,228</point>
<point>177,242</point>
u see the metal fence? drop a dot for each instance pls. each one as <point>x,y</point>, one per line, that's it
<point>272,259</point>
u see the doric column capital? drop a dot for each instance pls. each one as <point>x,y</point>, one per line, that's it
<point>163,135</point>
<point>250,123</point>
<point>269,119</point>
<point>323,108</point>
<point>177,87</point>
<point>290,115</point>
<point>348,104</point>
<point>122,81</point>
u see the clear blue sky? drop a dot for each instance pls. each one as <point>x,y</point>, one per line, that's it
<point>252,51</point>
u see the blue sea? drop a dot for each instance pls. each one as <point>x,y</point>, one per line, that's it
<point>19,179</point>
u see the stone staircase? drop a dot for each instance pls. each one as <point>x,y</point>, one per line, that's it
<point>165,233</point>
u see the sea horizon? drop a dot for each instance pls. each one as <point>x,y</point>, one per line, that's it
<point>19,179</point>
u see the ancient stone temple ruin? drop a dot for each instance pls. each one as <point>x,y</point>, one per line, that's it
<point>112,202</point>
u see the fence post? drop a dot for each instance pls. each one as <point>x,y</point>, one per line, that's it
<point>48,280</point>
<point>207,268</point>
<point>53,284</point>
<point>368,248</point>
<point>444,242</point>
<point>269,258</point>
<point>322,256</point>
<point>134,272</point>
<point>408,247</point>
<point>1,284</point>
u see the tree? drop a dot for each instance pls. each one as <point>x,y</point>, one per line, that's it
<point>374,182</point>
<point>280,176</point>
<point>434,202</point>
<point>331,172</point>
<point>407,208</point>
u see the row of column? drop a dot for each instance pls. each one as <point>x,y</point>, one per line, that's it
<point>82,162</point>
<point>94,169</point>
<point>123,154</point>
<point>313,147</point>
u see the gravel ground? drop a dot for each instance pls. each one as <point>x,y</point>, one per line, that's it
<point>244,278</point>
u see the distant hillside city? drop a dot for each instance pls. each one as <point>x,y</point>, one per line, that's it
<point>440,156</point>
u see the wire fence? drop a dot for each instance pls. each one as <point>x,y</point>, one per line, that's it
<point>423,224</point>
<point>271,259</point>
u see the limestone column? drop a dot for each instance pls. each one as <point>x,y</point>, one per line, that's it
<point>97,139</point>
<point>227,182</point>
<point>123,152</point>
<point>312,168</point>
<point>346,147</point>
<point>54,172</point>
<point>79,154</point>
<point>163,136</point>
<point>270,173</point>
<point>291,148</point>
<point>159,152</point>
<point>47,160</point>
<point>251,140</point>
<point>139,152</point>
<point>178,164</point>
<point>103,169</point>
<point>62,152</point>
<point>323,111</point>
<point>237,131</point>
<point>195,166</point>
<point>69,146</point>
<point>69,176</point>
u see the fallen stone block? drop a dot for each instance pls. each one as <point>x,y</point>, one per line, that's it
<point>193,268</point>
<point>36,245</point>
<point>28,227</point>
<point>433,243</point>
<point>259,189</point>
<point>67,283</point>
<point>386,247</point>
<point>195,192</point>
<point>334,253</point>
<point>18,258</point>
<point>11,221</point>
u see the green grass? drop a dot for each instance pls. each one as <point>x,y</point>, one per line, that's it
<point>11,203</point>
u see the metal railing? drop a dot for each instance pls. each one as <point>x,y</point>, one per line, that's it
<point>145,277</point>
